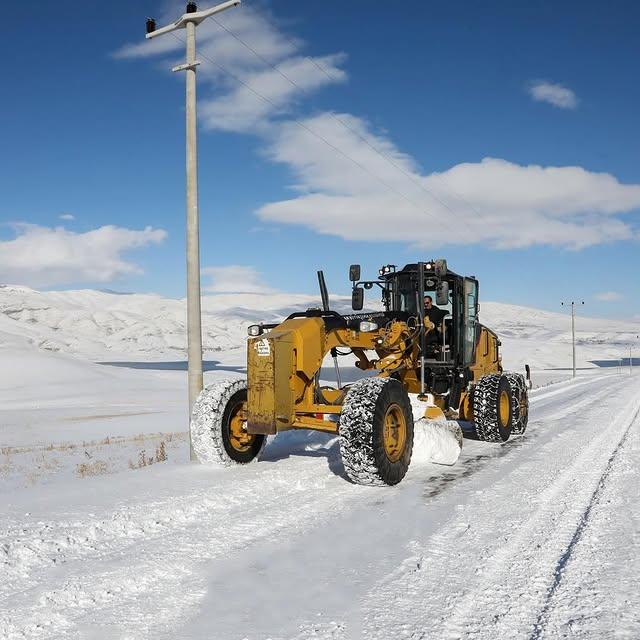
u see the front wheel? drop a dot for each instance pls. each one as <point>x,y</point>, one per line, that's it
<point>218,425</point>
<point>376,432</point>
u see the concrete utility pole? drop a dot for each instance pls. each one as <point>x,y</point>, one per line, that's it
<point>188,21</point>
<point>631,357</point>
<point>573,332</point>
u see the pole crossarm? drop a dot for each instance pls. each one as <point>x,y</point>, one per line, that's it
<point>186,66</point>
<point>197,17</point>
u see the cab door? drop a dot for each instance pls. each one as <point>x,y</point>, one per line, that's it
<point>469,320</point>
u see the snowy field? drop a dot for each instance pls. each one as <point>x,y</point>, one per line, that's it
<point>107,532</point>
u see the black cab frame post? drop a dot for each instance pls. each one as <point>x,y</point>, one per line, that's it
<point>422,329</point>
<point>324,295</point>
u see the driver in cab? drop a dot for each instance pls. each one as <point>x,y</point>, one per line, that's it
<point>435,314</point>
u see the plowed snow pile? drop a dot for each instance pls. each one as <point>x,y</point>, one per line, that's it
<point>434,441</point>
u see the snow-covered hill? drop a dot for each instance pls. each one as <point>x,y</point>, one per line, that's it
<point>98,324</point>
<point>543,338</point>
<point>107,325</point>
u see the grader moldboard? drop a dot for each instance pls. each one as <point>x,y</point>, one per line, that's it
<point>445,356</point>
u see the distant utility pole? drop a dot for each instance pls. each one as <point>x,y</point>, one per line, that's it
<point>573,331</point>
<point>631,358</point>
<point>189,21</point>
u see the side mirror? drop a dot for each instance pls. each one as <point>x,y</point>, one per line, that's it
<point>357,298</point>
<point>442,294</point>
<point>354,272</point>
<point>440,268</point>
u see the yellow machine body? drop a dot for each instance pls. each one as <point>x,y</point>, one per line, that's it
<point>284,369</point>
<point>424,339</point>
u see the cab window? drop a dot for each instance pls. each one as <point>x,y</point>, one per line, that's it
<point>470,319</point>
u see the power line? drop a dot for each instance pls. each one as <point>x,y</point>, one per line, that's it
<point>320,137</point>
<point>275,67</point>
<point>333,78</point>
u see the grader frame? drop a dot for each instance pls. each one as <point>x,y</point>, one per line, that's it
<point>455,368</point>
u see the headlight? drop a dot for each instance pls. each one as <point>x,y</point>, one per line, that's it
<point>254,330</point>
<point>365,325</point>
<point>428,265</point>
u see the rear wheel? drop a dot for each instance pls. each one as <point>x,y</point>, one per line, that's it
<point>519,400</point>
<point>493,408</point>
<point>218,425</point>
<point>376,432</point>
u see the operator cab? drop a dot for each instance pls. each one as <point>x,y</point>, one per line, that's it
<point>453,341</point>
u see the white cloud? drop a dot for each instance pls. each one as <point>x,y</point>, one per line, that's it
<point>67,216</point>
<point>555,94</point>
<point>235,279</point>
<point>344,187</point>
<point>226,104</point>
<point>242,109</point>
<point>609,296</point>
<point>493,202</point>
<point>43,257</point>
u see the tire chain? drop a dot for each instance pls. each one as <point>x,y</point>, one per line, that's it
<point>206,422</point>
<point>485,408</point>
<point>519,396</point>
<point>356,432</point>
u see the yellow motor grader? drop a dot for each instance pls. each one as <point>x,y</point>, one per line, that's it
<point>442,353</point>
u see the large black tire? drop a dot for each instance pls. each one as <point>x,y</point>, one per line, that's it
<point>376,432</point>
<point>520,401</point>
<point>216,425</point>
<point>493,408</point>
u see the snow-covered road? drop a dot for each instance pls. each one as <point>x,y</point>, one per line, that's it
<point>515,540</point>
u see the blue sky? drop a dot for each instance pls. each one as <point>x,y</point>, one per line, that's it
<point>503,137</point>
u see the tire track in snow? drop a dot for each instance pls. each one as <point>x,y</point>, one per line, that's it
<point>515,583</point>
<point>522,575</point>
<point>540,627</point>
<point>534,436</point>
<point>485,573</point>
<point>605,564</point>
<point>148,584</point>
